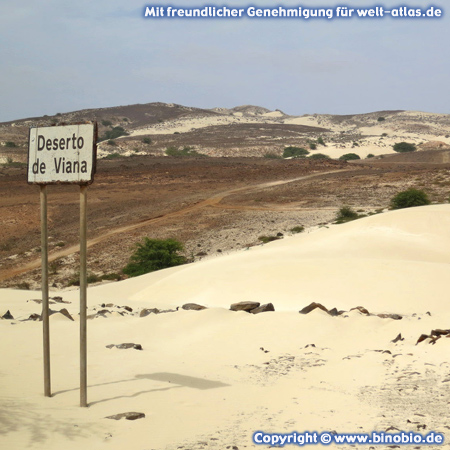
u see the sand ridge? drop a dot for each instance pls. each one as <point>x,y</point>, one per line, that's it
<point>210,378</point>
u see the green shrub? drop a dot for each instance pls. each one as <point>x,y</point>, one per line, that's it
<point>186,151</point>
<point>384,135</point>
<point>106,123</point>
<point>111,277</point>
<point>272,156</point>
<point>312,145</point>
<point>409,198</point>
<point>295,152</point>
<point>381,119</point>
<point>349,157</point>
<point>404,147</point>
<point>111,142</point>
<point>297,229</point>
<point>319,156</point>
<point>113,156</point>
<point>370,155</point>
<point>147,141</point>
<point>154,254</point>
<point>113,134</point>
<point>346,214</point>
<point>266,239</point>
<point>320,141</point>
<point>10,144</point>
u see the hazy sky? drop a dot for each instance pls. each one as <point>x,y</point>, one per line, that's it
<point>59,56</point>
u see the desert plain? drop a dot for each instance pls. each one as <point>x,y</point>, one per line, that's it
<point>370,354</point>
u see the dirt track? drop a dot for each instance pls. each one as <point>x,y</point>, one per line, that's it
<point>210,204</point>
<point>211,201</point>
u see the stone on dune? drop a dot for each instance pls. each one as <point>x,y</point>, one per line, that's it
<point>244,306</point>
<point>263,308</point>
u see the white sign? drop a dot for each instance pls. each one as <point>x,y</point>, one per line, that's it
<point>64,154</point>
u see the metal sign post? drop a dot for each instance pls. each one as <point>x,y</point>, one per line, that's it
<point>45,310</point>
<point>64,155</point>
<point>83,297</point>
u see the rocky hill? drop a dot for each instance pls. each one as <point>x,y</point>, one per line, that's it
<point>149,129</point>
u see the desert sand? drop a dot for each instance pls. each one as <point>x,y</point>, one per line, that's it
<point>210,378</point>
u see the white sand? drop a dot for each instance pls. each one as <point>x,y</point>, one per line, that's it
<point>410,126</point>
<point>202,376</point>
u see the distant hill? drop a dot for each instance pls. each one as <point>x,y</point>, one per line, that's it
<point>245,130</point>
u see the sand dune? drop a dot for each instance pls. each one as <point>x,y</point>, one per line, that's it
<point>209,379</point>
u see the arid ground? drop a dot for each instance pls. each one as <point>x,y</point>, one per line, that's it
<point>212,205</point>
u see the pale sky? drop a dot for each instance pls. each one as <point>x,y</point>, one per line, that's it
<point>59,57</point>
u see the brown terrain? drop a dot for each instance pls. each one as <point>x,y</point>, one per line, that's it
<point>215,204</point>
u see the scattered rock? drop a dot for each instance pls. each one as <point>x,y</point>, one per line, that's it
<point>63,311</point>
<point>334,312</point>
<point>390,316</point>
<point>127,415</point>
<point>8,316</point>
<point>145,312</point>
<point>398,338</point>
<point>439,332</point>
<point>127,308</point>
<point>66,313</point>
<point>34,316</point>
<point>422,337</point>
<point>244,306</point>
<point>311,307</point>
<point>58,299</point>
<point>126,346</point>
<point>362,310</point>
<point>193,307</point>
<point>263,308</point>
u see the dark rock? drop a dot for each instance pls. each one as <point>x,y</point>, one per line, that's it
<point>127,415</point>
<point>8,315</point>
<point>102,312</point>
<point>311,307</point>
<point>127,308</point>
<point>280,234</point>
<point>390,316</point>
<point>333,312</point>
<point>145,312</point>
<point>126,346</point>
<point>422,337</point>
<point>439,332</point>
<point>66,313</point>
<point>58,299</point>
<point>362,310</point>
<point>63,311</point>
<point>398,338</point>
<point>263,308</point>
<point>193,307</point>
<point>109,305</point>
<point>244,306</point>
<point>34,317</point>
